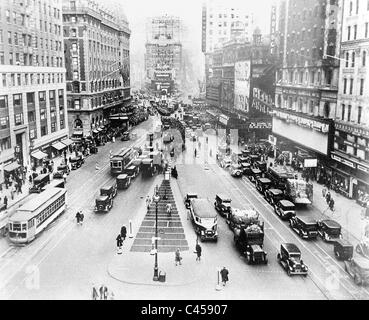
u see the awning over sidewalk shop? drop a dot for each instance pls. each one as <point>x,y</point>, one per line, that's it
<point>39,155</point>
<point>67,142</point>
<point>118,118</point>
<point>59,146</point>
<point>11,167</point>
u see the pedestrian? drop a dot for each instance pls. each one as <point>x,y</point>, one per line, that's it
<point>178,257</point>
<point>95,294</point>
<point>102,291</point>
<point>324,192</point>
<point>331,204</point>
<point>169,209</point>
<point>198,252</point>
<point>148,202</point>
<point>195,153</point>
<point>123,232</point>
<point>65,177</point>
<point>119,242</point>
<point>328,197</point>
<point>78,217</point>
<point>224,274</point>
<point>5,202</point>
<point>12,192</point>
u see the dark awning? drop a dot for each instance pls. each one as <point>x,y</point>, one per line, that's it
<point>11,167</point>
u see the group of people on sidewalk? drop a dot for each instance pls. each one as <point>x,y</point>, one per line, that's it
<point>103,293</point>
<point>13,186</point>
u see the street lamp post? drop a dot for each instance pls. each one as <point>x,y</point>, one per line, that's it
<point>156,268</point>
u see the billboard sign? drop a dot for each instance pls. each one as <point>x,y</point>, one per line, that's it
<point>242,85</point>
<point>310,163</point>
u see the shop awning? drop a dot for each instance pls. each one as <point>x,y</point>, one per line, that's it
<point>67,142</point>
<point>118,118</point>
<point>58,145</point>
<point>39,155</point>
<point>11,167</point>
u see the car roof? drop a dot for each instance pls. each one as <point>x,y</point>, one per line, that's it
<point>255,170</point>
<point>147,161</point>
<point>264,180</point>
<point>331,223</point>
<point>131,168</point>
<point>286,203</point>
<point>256,248</point>
<point>223,197</point>
<point>106,187</point>
<point>122,176</point>
<point>306,220</point>
<point>203,208</point>
<point>343,243</point>
<point>191,194</point>
<point>276,191</point>
<point>102,198</point>
<point>291,247</point>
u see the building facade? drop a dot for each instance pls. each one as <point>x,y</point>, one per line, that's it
<point>307,77</point>
<point>33,114</point>
<point>96,41</point>
<point>351,138</point>
<point>163,57</point>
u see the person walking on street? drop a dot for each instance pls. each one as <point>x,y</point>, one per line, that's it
<point>78,217</point>
<point>119,242</point>
<point>324,192</point>
<point>103,292</point>
<point>95,294</point>
<point>123,232</point>
<point>6,202</point>
<point>148,202</point>
<point>169,209</point>
<point>198,252</point>
<point>224,274</point>
<point>331,204</point>
<point>178,257</point>
<point>195,153</point>
<point>328,197</point>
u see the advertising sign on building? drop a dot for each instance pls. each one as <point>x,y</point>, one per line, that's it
<point>242,85</point>
<point>310,163</point>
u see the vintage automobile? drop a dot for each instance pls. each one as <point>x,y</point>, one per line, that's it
<point>76,162</point>
<point>343,249</point>
<point>94,149</point>
<point>188,198</point>
<point>242,159</point>
<point>60,170</point>
<point>236,170</point>
<point>261,165</point>
<point>274,195</point>
<point>123,181</point>
<point>103,204</point>
<point>226,162</point>
<point>263,184</point>
<point>148,168</point>
<point>285,209</point>
<point>358,269</point>
<point>109,190</point>
<point>242,218</point>
<point>39,183</point>
<point>223,204</point>
<point>305,227</point>
<point>132,171</point>
<point>205,219</point>
<point>125,136</point>
<point>254,158</point>
<point>245,153</point>
<point>254,174</point>
<point>329,230</point>
<point>246,168</point>
<point>290,259</point>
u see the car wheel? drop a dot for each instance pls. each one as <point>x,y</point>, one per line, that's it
<point>289,272</point>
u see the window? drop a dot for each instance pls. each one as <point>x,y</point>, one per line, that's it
<point>2,58</point>
<point>4,79</point>
<point>355,31</point>
<point>359,113</point>
<point>5,143</point>
<point>30,97</point>
<point>17,100</point>
<point>4,123</point>
<point>3,102</point>
<point>18,119</point>
<point>9,37</point>
<point>31,116</point>
<point>41,96</point>
<point>1,36</point>
<point>52,95</point>
<point>348,33</point>
<point>357,6</point>
<point>42,113</point>
<point>43,131</point>
<point>353,60</point>
<point>349,113</point>
<point>343,112</point>
<point>76,104</point>
<point>361,87</point>
<point>351,85</point>
<point>350,8</point>
<point>366,29</point>
<point>7,14</point>
<point>363,61</point>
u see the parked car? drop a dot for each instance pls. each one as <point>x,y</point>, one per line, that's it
<point>343,249</point>
<point>358,269</point>
<point>76,162</point>
<point>60,170</point>
<point>254,175</point>
<point>329,230</point>
<point>103,204</point>
<point>263,184</point>
<point>261,165</point>
<point>223,204</point>
<point>246,168</point>
<point>226,162</point>
<point>273,196</point>
<point>109,190</point>
<point>188,198</point>
<point>236,170</point>
<point>290,259</point>
<point>285,209</point>
<point>39,183</point>
<point>305,227</point>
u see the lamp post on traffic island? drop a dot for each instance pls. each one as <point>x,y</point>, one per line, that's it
<point>156,268</point>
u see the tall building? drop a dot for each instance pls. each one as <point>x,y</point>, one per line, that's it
<point>33,116</point>
<point>96,41</point>
<point>351,139</point>
<point>163,57</point>
<point>307,78</point>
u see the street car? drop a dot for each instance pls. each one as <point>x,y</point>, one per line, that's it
<point>109,190</point>
<point>290,259</point>
<point>60,170</point>
<point>188,198</point>
<point>254,174</point>
<point>39,183</point>
<point>273,196</point>
<point>263,184</point>
<point>223,204</point>
<point>358,269</point>
<point>236,170</point>
<point>285,209</point>
<point>76,162</point>
<point>329,230</point>
<point>343,249</point>
<point>305,227</point>
<point>103,204</point>
<point>123,181</point>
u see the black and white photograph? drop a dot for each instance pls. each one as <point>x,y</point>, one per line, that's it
<point>197,150</point>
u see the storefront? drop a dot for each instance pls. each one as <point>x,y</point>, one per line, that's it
<point>37,157</point>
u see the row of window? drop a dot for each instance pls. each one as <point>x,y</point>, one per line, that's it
<point>50,210</point>
<point>357,6</point>
<point>308,77</point>
<point>21,79</point>
<point>346,114</point>
<point>53,28</point>
<point>30,98</point>
<point>353,57</point>
<point>30,60</point>
<point>361,89</point>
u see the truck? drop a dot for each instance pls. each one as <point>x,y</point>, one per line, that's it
<point>204,219</point>
<point>248,231</point>
<point>299,191</point>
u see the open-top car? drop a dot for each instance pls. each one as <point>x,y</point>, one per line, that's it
<point>60,170</point>
<point>188,198</point>
<point>358,269</point>
<point>329,230</point>
<point>285,209</point>
<point>263,184</point>
<point>305,227</point>
<point>109,190</point>
<point>103,204</point>
<point>123,181</point>
<point>223,204</point>
<point>343,249</point>
<point>236,170</point>
<point>290,259</point>
<point>273,196</point>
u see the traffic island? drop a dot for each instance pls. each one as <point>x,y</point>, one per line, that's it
<point>137,268</point>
